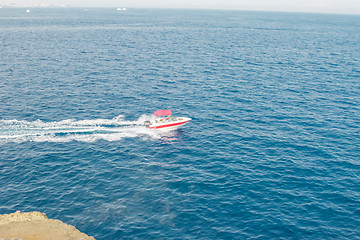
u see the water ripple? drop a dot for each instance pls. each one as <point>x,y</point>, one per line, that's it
<point>272,151</point>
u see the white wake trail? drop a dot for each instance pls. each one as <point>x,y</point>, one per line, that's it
<point>75,130</point>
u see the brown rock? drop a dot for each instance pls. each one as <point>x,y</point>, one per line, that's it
<point>37,226</point>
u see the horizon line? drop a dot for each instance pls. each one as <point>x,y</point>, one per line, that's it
<point>174,8</point>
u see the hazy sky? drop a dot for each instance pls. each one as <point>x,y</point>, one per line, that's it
<point>325,6</point>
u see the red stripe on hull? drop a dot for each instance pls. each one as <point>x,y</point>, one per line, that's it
<point>168,125</point>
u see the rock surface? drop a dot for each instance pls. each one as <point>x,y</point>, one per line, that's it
<point>37,226</point>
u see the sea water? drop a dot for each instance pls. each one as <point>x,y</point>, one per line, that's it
<point>272,152</point>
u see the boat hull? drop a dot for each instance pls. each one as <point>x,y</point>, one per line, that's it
<point>166,123</point>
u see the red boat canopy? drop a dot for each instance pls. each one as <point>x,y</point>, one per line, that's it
<point>163,113</point>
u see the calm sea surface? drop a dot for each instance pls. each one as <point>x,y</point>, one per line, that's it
<point>272,152</point>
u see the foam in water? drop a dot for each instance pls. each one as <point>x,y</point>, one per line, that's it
<point>76,130</point>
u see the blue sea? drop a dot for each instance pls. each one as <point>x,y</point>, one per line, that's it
<point>272,151</point>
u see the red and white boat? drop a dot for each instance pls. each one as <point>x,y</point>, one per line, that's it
<point>164,120</point>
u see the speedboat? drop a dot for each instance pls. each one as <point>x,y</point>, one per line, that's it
<point>164,120</point>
